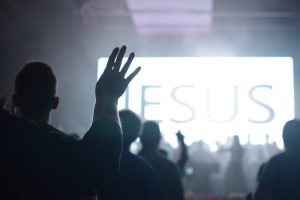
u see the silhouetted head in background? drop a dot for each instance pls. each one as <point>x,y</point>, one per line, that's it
<point>291,135</point>
<point>151,135</point>
<point>131,125</point>
<point>236,141</point>
<point>35,90</point>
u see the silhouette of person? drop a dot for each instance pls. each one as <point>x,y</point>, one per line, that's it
<point>136,179</point>
<point>281,176</point>
<point>202,165</point>
<point>234,176</point>
<point>183,158</point>
<point>39,161</point>
<point>270,148</point>
<point>167,172</point>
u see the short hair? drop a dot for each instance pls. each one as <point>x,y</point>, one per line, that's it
<point>35,86</point>
<point>291,134</point>
<point>151,134</point>
<point>131,125</point>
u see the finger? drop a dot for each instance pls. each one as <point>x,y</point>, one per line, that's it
<point>111,59</point>
<point>127,64</point>
<point>133,74</point>
<point>118,63</point>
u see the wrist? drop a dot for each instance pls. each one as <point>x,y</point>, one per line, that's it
<point>107,100</point>
<point>106,108</point>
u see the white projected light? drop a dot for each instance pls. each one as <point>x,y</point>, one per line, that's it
<point>213,98</point>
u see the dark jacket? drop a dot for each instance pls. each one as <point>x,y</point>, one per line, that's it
<point>168,175</point>
<point>136,180</point>
<point>41,162</point>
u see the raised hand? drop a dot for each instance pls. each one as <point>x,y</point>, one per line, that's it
<point>179,135</point>
<point>112,82</point>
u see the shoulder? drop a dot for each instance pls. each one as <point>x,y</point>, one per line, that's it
<point>275,163</point>
<point>53,130</point>
<point>105,128</point>
<point>14,124</point>
<point>273,169</point>
<point>279,158</point>
<point>168,165</point>
<point>136,162</point>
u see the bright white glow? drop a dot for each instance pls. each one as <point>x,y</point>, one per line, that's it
<point>213,98</point>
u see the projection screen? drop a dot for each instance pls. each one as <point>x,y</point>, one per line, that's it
<point>213,98</point>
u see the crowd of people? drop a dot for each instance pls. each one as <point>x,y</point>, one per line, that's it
<point>41,162</point>
<point>231,169</point>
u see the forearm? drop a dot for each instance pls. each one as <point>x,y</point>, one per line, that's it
<point>106,108</point>
<point>183,154</point>
<point>102,147</point>
<point>112,85</point>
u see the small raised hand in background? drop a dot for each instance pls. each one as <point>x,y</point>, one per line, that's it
<point>183,152</point>
<point>180,137</point>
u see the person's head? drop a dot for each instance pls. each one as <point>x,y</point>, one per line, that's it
<point>236,140</point>
<point>151,135</point>
<point>131,125</point>
<point>291,135</point>
<point>35,89</point>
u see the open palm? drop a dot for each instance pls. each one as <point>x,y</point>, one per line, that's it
<point>112,82</point>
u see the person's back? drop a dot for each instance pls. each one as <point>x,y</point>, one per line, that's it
<point>168,174</point>
<point>136,179</point>
<point>35,90</point>
<point>281,176</point>
<point>43,163</point>
<point>9,180</point>
<point>30,170</point>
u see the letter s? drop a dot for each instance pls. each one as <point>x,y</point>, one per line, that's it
<point>267,107</point>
